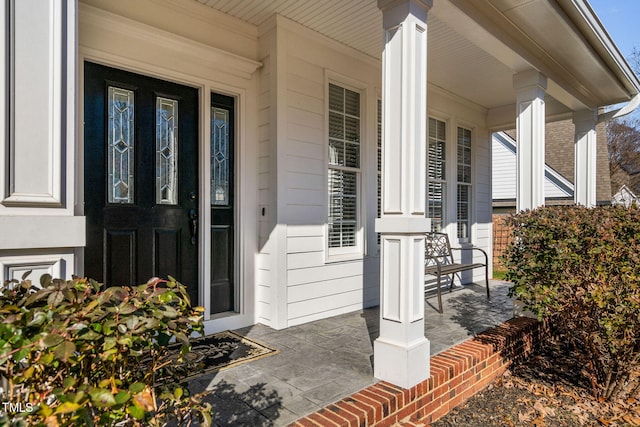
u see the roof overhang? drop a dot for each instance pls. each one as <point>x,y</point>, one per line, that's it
<point>476,47</point>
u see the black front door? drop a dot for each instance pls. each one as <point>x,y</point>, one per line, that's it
<point>141,178</point>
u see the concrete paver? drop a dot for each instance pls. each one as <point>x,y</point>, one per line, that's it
<point>326,360</point>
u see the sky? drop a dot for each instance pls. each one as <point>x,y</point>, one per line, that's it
<point>621,19</point>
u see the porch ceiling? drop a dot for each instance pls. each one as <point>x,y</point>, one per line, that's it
<point>475,47</point>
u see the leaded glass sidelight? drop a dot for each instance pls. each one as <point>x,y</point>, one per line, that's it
<point>220,156</point>
<point>120,141</point>
<point>166,151</point>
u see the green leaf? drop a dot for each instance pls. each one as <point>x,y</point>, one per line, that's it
<point>169,311</point>
<point>101,397</point>
<point>126,308</point>
<point>65,350</point>
<point>68,382</point>
<point>122,397</point>
<point>18,356</point>
<point>45,280</point>
<point>38,319</point>
<point>52,340</point>
<point>182,338</point>
<point>178,392</point>
<point>55,298</point>
<point>135,411</point>
<point>67,407</point>
<point>109,343</point>
<point>136,387</point>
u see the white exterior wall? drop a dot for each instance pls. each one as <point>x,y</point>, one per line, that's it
<point>38,226</point>
<point>300,281</point>
<point>303,281</point>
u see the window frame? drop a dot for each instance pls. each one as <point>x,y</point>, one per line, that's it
<point>357,250</point>
<point>470,184</point>
<point>446,181</point>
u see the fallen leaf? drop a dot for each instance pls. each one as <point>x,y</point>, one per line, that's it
<point>144,399</point>
<point>544,410</point>
<point>539,422</point>
<point>526,416</point>
<point>631,419</point>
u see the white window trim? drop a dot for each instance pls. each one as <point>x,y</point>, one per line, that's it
<point>352,252</point>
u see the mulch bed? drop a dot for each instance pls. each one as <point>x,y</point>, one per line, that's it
<point>549,389</point>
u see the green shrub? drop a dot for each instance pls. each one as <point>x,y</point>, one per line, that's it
<point>73,353</point>
<point>580,268</point>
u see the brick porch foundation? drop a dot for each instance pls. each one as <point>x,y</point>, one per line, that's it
<point>456,374</point>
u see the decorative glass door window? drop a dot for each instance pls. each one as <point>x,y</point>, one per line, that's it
<point>120,146</point>
<point>220,156</point>
<point>166,151</point>
<point>437,173</point>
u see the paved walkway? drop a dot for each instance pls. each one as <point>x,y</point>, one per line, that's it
<point>323,361</point>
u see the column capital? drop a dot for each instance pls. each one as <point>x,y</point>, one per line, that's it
<point>585,117</point>
<point>395,11</point>
<point>387,4</point>
<point>529,79</point>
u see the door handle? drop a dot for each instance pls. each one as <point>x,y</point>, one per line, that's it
<point>193,220</point>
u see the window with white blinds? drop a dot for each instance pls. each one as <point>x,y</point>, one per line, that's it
<point>437,173</point>
<point>343,168</point>
<point>464,183</point>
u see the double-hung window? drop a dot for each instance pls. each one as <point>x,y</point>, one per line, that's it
<point>437,174</point>
<point>343,169</point>
<point>464,183</point>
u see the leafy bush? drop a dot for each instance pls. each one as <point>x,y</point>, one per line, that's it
<point>580,268</point>
<point>73,353</point>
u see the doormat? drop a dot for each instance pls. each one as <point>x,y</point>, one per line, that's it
<point>219,351</point>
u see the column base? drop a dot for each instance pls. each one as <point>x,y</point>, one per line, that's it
<point>404,366</point>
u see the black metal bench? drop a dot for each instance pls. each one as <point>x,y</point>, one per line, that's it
<point>439,261</point>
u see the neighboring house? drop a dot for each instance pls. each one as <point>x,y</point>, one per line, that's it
<point>625,197</point>
<point>621,178</point>
<point>234,145</point>
<point>559,167</point>
<point>557,188</point>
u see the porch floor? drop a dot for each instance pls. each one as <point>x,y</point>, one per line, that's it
<point>323,361</point>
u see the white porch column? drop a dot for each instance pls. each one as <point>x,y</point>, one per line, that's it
<point>530,126</point>
<point>401,352</point>
<point>585,152</point>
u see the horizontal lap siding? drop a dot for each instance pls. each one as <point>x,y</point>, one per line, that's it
<point>317,288</point>
<point>504,172</point>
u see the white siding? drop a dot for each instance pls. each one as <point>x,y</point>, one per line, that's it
<point>504,172</point>
<point>303,281</point>
<point>314,287</point>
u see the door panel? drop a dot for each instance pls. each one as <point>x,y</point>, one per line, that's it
<point>222,203</point>
<point>141,178</point>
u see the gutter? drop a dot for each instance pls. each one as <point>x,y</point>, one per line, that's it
<point>620,112</point>
<point>618,63</point>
